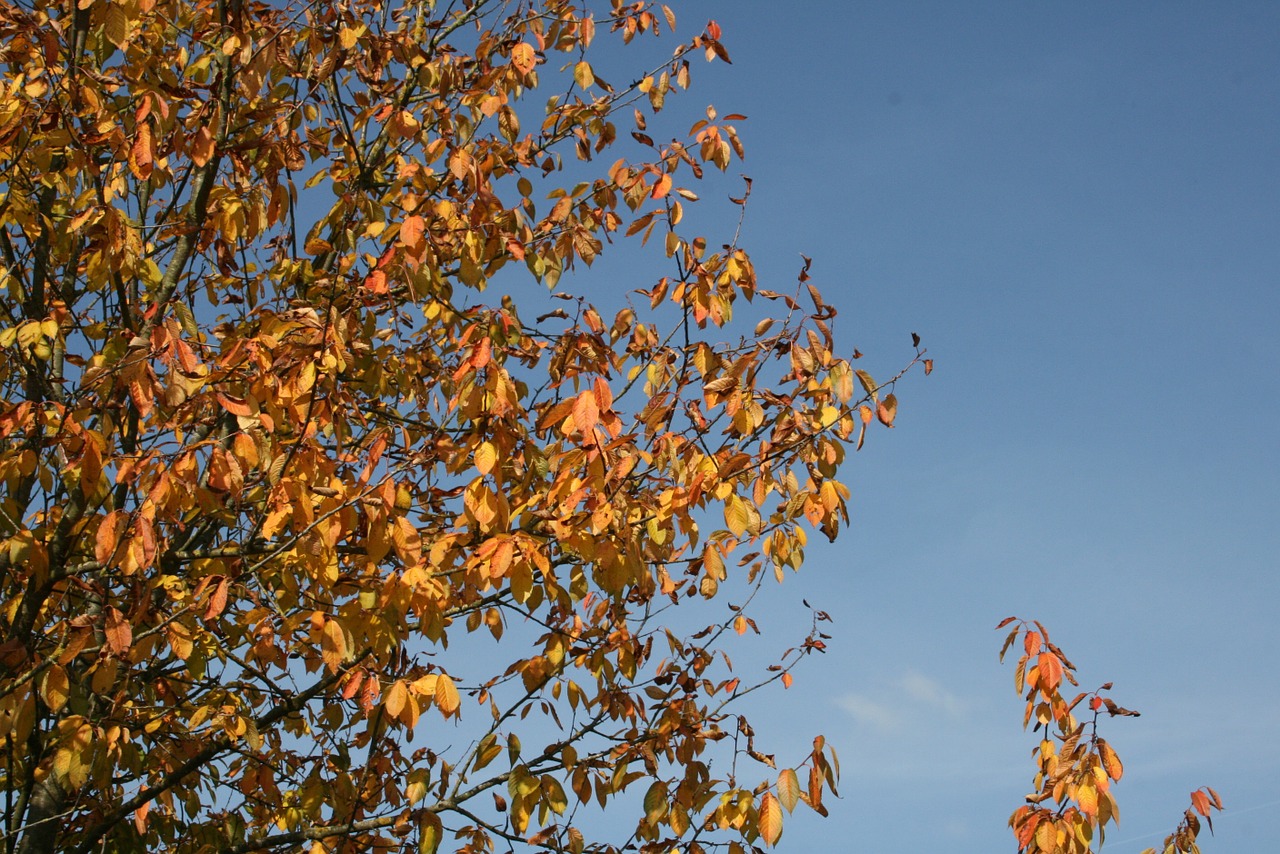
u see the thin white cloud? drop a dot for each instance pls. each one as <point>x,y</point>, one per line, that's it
<point>870,713</point>
<point>902,703</point>
<point>929,692</point>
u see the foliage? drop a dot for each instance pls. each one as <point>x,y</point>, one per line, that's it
<point>273,464</point>
<point>1076,772</point>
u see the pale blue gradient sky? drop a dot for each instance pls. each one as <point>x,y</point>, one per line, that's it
<point>1077,206</point>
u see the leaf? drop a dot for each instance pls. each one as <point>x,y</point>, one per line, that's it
<point>1050,676</point>
<point>770,819</point>
<point>430,832</point>
<point>141,159</point>
<point>887,410</point>
<point>1200,801</point>
<point>736,516</point>
<point>412,231</point>
<point>55,687</point>
<point>586,413</point>
<point>583,76</point>
<point>1047,836</point>
<point>446,696</point>
<point>396,698</point>
<point>116,630</point>
<point>1087,798</point>
<point>217,599</point>
<point>333,645</point>
<point>868,384</point>
<point>116,25</point>
<point>524,57</point>
<point>486,457</point>
<point>107,538</point>
<point>655,802</point>
<point>1110,761</point>
<point>789,789</point>
<point>202,148</point>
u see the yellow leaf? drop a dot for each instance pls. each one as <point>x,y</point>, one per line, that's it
<point>396,698</point>
<point>1087,798</point>
<point>736,516</point>
<point>655,802</point>
<point>486,456</point>
<point>1047,837</point>
<point>447,698</point>
<point>116,27</point>
<point>583,76</point>
<point>55,687</point>
<point>430,832</point>
<point>789,789</point>
<point>180,640</point>
<point>867,383</point>
<point>333,645</point>
<point>553,794</point>
<point>348,36</point>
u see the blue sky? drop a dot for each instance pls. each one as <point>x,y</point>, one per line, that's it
<point>1077,206</point>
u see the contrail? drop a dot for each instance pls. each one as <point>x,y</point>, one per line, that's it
<point>1225,814</point>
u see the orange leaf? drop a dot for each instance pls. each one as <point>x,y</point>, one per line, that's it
<point>661,187</point>
<point>524,57</point>
<point>218,600</point>
<point>140,156</point>
<point>411,231</point>
<point>887,410</point>
<point>1050,671</point>
<point>117,631</point>
<point>770,819</point>
<point>396,697</point>
<point>1110,762</point>
<point>108,535</point>
<point>1031,642</point>
<point>586,413</point>
<point>202,146</point>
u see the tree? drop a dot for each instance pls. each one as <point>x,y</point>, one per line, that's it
<point>274,465</point>
<point>1075,766</point>
<point>272,460</point>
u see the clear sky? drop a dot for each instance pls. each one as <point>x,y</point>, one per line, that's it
<point>1077,206</point>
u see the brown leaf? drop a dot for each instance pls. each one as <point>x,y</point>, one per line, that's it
<point>117,631</point>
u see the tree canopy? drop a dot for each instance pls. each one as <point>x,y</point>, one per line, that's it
<point>335,516</point>
<point>270,446</point>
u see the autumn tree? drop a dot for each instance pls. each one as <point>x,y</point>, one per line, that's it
<point>274,460</point>
<point>1071,802</point>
